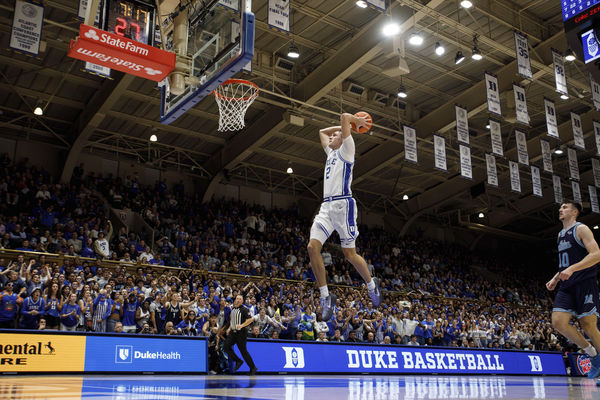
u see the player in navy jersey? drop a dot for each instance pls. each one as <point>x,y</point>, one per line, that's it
<point>577,295</point>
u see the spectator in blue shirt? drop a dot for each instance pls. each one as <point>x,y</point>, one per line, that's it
<point>32,309</point>
<point>70,314</point>
<point>9,301</point>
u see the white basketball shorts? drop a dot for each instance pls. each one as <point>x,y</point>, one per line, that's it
<point>338,215</point>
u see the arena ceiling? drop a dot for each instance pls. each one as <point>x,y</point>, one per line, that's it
<point>340,44</point>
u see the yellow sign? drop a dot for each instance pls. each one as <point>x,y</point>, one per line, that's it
<point>41,353</point>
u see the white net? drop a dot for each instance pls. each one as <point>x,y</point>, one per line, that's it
<point>234,97</point>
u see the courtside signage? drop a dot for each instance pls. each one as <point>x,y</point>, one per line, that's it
<point>122,54</point>
<point>299,357</point>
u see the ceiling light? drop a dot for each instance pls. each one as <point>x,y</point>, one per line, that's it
<point>293,51</point>
<point>481,215</point>
<point>487,126</point>
<point>564,96</point>
<point>439,49</point>
<point>558,151</point>
<point>361,4</point>
<point>476,55</point>
<point>289,169</point>
<point>595,226</point>
<point>570,56</point>
<point>38,111</point>
<point>402,92</point>
<point>391,29</point>
<point>415,39</point>
<point>459,57</point>
<point>405,197</point>
<point>466,4</point>
<point>153,138</point>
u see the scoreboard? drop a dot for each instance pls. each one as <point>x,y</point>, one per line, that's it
<point>571,8</point>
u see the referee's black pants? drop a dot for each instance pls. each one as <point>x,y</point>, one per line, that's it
<point>239,338</point>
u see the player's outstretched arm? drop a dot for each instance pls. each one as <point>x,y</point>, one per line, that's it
<point>587,237</point>
<point>325,133</point>
<point>345,121</point>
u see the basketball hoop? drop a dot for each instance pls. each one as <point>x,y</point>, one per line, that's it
<point>234,96</point>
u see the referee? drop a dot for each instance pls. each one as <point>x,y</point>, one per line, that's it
<point>237,334</point>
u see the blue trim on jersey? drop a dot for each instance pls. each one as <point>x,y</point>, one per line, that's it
<point>347,174</point>
<point>591,312</point>
<point>342,158</point>
<point>323,229</point>
<point>350,216</point>
<point>579,242</point>
<point>564,310</point>
<point>334,198</point>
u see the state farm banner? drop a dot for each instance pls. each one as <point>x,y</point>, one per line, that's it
<point>492,171</point>
<point>515,177</point>
<point>466,170</point>
<point>496,137</point>
<point>559,72</point>
<point>521,104</point>
<point>493,93</point>
<point>522,50</point>
<point>410,144</point>
<point>462,124</point>
<point>595,93</point>
<point>597,136</point>
<point>546,155</point>
<point>536,181</point>
<point>596,171</point>
<point>551,123</point>
<point>573,166</point>
<point>556,184</point>
<point>522,153</point>
<point>120,53</point>
<point>577,131</point>
<point>576,192</point>
<point>439,150</point>
<point>279,15</point>
<point>26,33</point>
<point>594,199</point>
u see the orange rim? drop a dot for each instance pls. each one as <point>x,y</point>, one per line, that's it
<point>239,81</point>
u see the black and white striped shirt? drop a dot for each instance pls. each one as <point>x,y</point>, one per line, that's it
<point>237,317</point>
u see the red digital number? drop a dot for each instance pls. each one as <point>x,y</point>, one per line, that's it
<point>121,26</point>
<point>137,30</point>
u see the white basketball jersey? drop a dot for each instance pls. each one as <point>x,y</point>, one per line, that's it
<point>337,177</point>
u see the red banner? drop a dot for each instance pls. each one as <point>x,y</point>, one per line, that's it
<point>122,54</point>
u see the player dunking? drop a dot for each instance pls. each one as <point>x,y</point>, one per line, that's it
<point>338,211</point>
<point>578,257</point>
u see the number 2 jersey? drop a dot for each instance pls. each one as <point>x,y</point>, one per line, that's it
<point>337,177</point>
<point>571,250</point>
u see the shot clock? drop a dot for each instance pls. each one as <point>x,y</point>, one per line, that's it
<point>133,19</point>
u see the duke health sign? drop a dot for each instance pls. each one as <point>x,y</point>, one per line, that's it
<point>302,357</point>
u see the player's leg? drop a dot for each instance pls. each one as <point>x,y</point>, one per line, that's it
<point>586,295</point>
<point>319,232</point>
<point>561,322</point>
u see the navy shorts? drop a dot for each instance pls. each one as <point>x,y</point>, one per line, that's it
<point>580,298</point>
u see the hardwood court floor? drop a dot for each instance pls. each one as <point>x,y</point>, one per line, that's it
<point>293,387</point>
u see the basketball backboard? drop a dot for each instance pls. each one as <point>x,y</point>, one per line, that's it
<point>220,43</point>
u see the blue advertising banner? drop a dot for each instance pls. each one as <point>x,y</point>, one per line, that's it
<point>304,357</point>
<point>134,353</point>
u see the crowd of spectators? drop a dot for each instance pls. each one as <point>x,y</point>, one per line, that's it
<point>432,296</point>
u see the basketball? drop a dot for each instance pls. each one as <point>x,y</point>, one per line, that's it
<point>363,129</point>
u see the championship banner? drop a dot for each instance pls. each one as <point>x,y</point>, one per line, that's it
<point>462,124</point>
<point>595,93</point>
<point>597,136</point>
<point>515,177</point>
<point>466,170</point>
<point>377,4</point>
<point>546,155</point>
<point>439,150</point>
<point>83,5</point>
<point>594,199</point>
<point>279,15</point>
<point>558,197</point>
<point>26,32</point>
<point>493,94</point>
<point>522,50</point>
<point>522,153</point>
<point>577,131</point>
<point>596,171</point>
<point>573,167</point>
<point>576,192</point>
<point>410,144</point>
<point>492,172</point>
<point>559,72</point>
<point>536,181</point>
<point>521,104</point>
<point>496,137</point>
<point>551,123</point>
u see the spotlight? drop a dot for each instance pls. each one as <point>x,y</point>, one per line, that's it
<point>405,197</point>
<point>439,49</point>
<point>415,39</point>
<point>570,56</point>
<point>466,4</point>
<point>596,227</point>
<point>361,4</point>
<point>293,51</point>
<point>153,138</point>
<point>487,126</point>
<point>459,57</point>
<point>391,29</point>
<point>564,96</point>
<point>481,215</point>
<point>289,170</point>
<point>476,55</point>
<point>402,92</point>
<point>38,111</point>
<point>558,151</point>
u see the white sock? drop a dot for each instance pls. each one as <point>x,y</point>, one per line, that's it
<point>371,285</point>
<point>590,351</point>
<point>324,291</point>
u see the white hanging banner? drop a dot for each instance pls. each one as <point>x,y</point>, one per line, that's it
<point>493,94</point>
<point>551,124</point>
<point>577,131</point>
<point>536,181</point>
<point>515,178</point>
<point>594,199</point>
<point>576,192</point>
<point>97,69</point>
<point>573,167</point>
<point>462,124</point>
<point>378,4</point>
<point>546,155</point>
<point>597,136</point>
<point>559,73</point>
<point>410,144</point>
<point>492,172</point>
<point>595,92</point>
<point>522,153</point>
<point>439,150</point>
<point>26,33</point>
<point>466,170</point>
<point>522,50</point>
<point>521,104</point>
<point>558,197</point>
<point>232,4</point>
<point>496,137</point>
<point>83,5</point>
<point>596,171</point>
<point>279,15</point>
